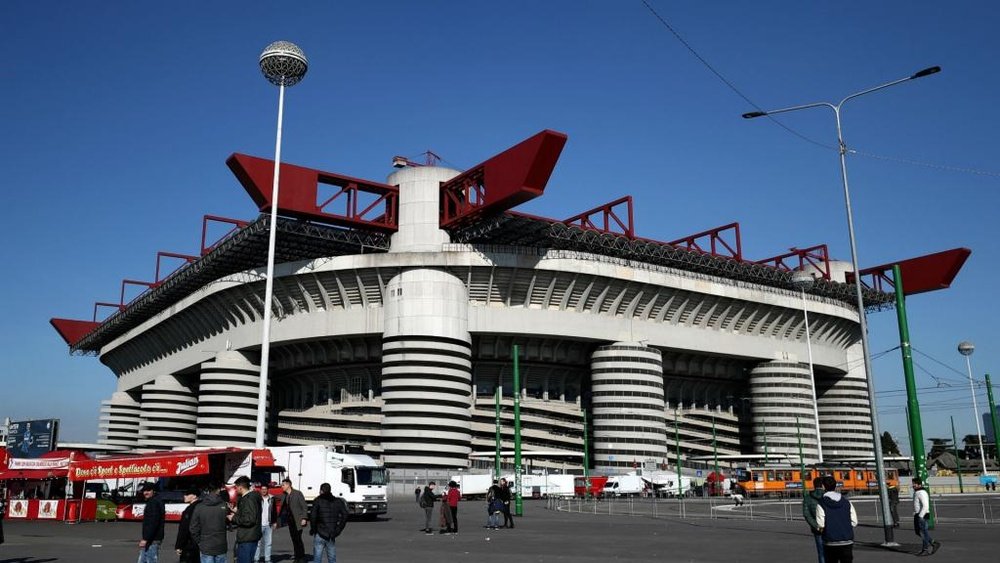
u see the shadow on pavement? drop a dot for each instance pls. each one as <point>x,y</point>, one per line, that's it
<point>27,560</point>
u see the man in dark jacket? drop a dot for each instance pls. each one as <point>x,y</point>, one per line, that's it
<point>504,496</point>
<point>247,520</point>
<point>294,514</point>
<point>208,527</point>
<point>185,546</point>
<point>426,501</point>
<point>836,519</point>
<point>153,518</point>
<point>328,519</point>
<point>809,503</point>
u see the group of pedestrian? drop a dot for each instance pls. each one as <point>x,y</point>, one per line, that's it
<point>832,519</point>
<point>449,499</point>
<point>202,533</point>
<point>498,504</point>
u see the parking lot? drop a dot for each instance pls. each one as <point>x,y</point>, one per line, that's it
<point>545,534</point>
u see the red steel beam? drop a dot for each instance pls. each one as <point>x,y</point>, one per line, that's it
<point>930,272</point>
<point>300,194</point>
<point>608,220</point>
<point>72,331</point>
<point>147,285</point>
<point>510,178</point>
<point>99,304</point>
<point>714,242</point>
<point>817,257</point>
<point>161,254</point>
<point>236,225</point>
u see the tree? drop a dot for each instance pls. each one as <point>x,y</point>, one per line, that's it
<point>889,445</point>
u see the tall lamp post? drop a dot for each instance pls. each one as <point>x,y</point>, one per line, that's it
<point>804,281</point>
<point>862,320</point>
<point>966,349</point>
<point>283,64</point>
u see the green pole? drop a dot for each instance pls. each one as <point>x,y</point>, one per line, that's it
<point>802,459</point>
<point>677,445</point>
<point>518,502</point>
<point>715,454</point>
<point>912,405</point>
<point>993,418</point>
<point>496,463</point>
<point>586,456</point>
<point>958,463</point>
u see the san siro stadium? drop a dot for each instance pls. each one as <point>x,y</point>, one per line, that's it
<point>397,307</point>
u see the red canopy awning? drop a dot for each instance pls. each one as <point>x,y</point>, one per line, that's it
<point>50,465</point>
<point>150,466</point>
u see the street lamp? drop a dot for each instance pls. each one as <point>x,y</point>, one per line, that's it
<point>862,321</point>
<point>966,349</point>
<point>283,64</point>
<point>804,281</point>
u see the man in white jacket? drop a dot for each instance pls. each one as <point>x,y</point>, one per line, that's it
<point>921,516</point>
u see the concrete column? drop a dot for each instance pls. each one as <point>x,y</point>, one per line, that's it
<point>227,401</point>
<point>119,421</point>
<point>419,208</point>
<point>780,393</point>
<point>844,418</point>
<point>627,404</point>
<point>168,417</point>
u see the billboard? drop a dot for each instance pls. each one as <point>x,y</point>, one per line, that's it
<point>32,438</point>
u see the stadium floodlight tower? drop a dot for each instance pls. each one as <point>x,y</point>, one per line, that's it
<point>966,349</point>
<point>804,281</point>
<point>283,64</point>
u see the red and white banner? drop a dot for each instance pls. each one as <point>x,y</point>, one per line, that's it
<point>48,509</point>
<point>18,508</point>
<point>17,463</point>
<point>140,467</point>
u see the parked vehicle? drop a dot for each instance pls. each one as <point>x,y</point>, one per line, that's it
<point>624,485</point>
<point>357,478</point>
<point>597,483</point>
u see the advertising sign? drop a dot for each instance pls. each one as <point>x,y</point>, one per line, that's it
<point>18,508</point>
<point>43,464</point>
<point>48,509</point>
<point>141,467</point>
<point>32,438</point>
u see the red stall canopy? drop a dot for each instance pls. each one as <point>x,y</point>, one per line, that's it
<point>50,465</point>
<point>150,466</point>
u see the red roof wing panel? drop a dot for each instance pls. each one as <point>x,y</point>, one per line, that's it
<point>925,273</point>
<point>71,330</point>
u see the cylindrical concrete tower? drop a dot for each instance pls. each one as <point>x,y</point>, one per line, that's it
<point>780,397</point>
<point>119,421</point>
<point>169,410</point>
<point>844,418</point>
<point>426,346</point>
<point>627,405</point>
<point>227,401</point>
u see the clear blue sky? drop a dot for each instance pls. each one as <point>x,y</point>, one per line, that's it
<point>118,116</point>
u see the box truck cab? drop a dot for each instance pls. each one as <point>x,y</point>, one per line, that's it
<point>355,477</point>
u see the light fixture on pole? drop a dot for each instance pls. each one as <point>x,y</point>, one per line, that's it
<point>804,281</point>
<point>966,349</point>
<point>862,321</point>
<point>283,64</point>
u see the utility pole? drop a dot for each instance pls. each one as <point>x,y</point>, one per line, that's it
<point>958,462</point>
<point>496,397</point>
<point>914,425</point>
<point>677,445</point>
<point>802,461</point>
<point>715,454</point>
<point>586,456</point>
<point>993,418</point>
<point>519,501</point>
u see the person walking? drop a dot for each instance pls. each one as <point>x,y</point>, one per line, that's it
<point>268,522</point>
<point>246,518</point>
<point>153,518</point>
<point>921,517</point>
<point>208,527</point>
<point>893,492</point>
<point>809,503</point>
<point>185,546</point>
<point>505,496</point>
<point>454,495</point>
<point>295,514</point>
<point>426,501</point>
<point>327,521</point>
<point>446,520</point>
<point>836,519</point>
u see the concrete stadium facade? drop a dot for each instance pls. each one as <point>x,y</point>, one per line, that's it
<point>402,352</point>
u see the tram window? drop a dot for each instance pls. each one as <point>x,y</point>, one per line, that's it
<point>770,475</point>
<point>758,476</point>
<point>808,475</point>
<point>861,475</point>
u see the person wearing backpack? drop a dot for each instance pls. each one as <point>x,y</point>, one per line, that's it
<point>327,520</point>
<point>426,501</point>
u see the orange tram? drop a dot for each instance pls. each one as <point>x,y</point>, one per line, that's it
<point>781,481</point>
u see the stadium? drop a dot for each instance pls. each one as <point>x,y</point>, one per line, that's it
<point>398,305</point>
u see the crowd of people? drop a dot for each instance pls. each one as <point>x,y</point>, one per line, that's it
<point>832,519</point>
<point>205,526</point>
<point>498,499</point>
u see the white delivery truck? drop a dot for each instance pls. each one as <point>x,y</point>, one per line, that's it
<point>355,477</point>
<point>624,485</point>
<point>473,486</point>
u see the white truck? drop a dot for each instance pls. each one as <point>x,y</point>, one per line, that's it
<point>355,477</point>
<point>532,485</point>
<point>624,485</point>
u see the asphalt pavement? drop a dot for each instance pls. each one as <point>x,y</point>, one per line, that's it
<point>541,535</point>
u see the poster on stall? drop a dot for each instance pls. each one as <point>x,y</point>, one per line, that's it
<point>48,509</point>
<point>19,508</point>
